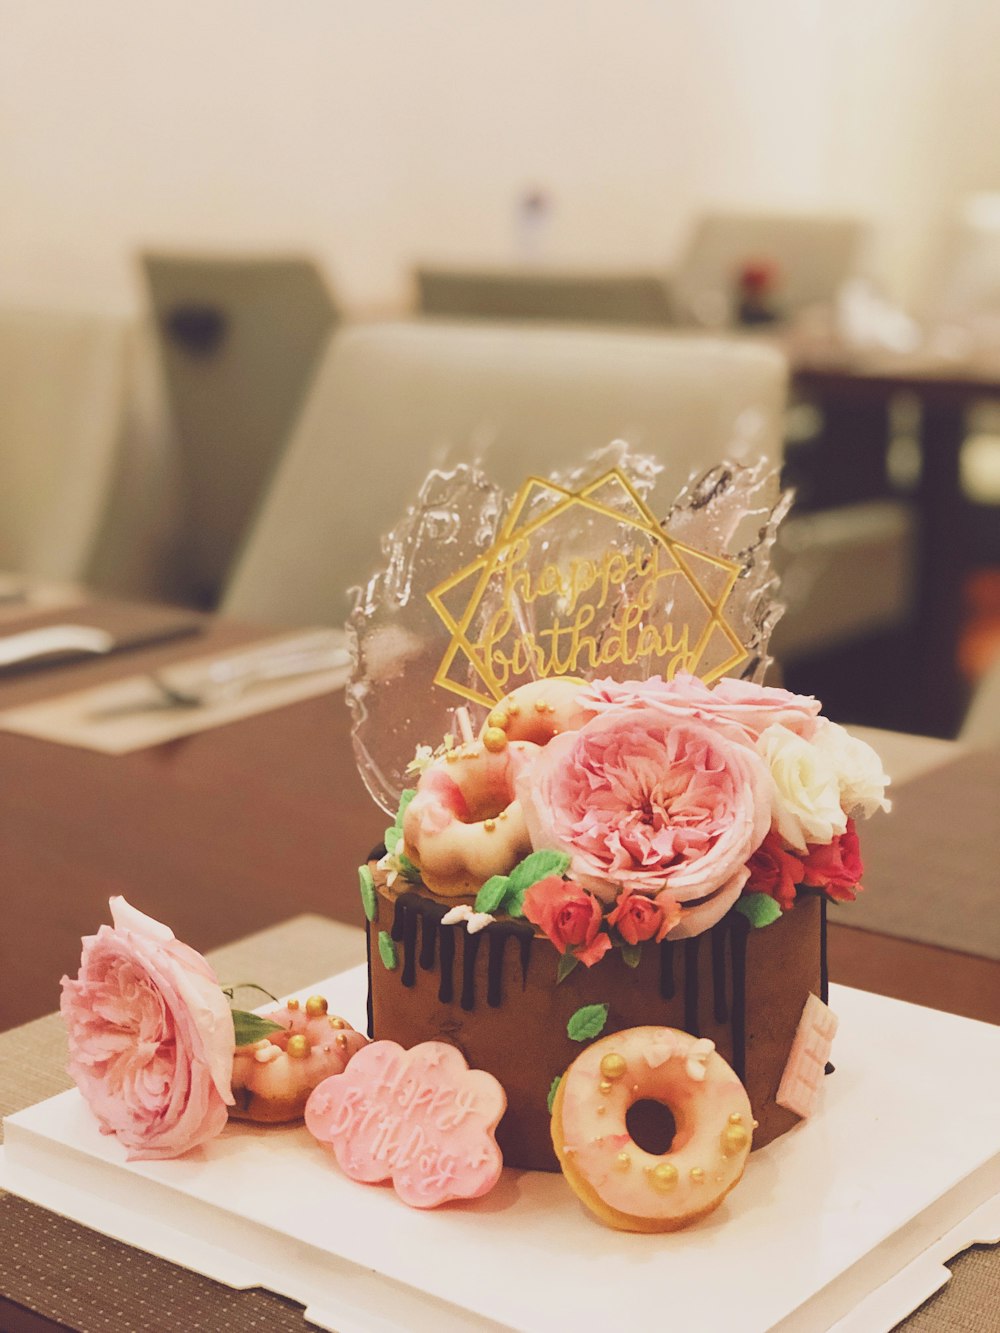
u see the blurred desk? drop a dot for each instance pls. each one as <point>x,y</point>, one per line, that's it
<point>855,392</point>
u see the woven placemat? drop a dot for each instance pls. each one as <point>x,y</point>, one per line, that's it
<point>941,886</point>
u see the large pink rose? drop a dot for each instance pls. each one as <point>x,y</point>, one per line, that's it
<point>738,707</point>
<point>645,802</point>
<point>150,1037</point>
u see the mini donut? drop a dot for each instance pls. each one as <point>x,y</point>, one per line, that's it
<point>537,711</point>
<point>464,825</point>
<point>273,1077</point>
<point>621,1183</point>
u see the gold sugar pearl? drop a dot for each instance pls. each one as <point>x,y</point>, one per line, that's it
<point>451,756</point>
<point>541,706</point>
<point>298,1047</point>
<point>502,814</point>
<point>291,1004</point>
<point>734,1139</point>
<point>623,1161</point>
<point>600,1110</point>
<point>316,1006</point>
<point>604,1085</point>
<point>697,1175</point>
<point>613,1065</point>
<point>498,718</point>
<point>489,825</point>
<point>736,1118</point>
<point>663,1176</point>
<point>495,739</point>
<point>513,709</point>
<point>340,1041</point>
<point>337,1022</point>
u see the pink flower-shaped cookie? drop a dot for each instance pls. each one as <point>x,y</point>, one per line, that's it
<point>421,1118</point>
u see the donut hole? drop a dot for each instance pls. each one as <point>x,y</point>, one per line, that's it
<point>651,1125</point>
<point>484,805</point>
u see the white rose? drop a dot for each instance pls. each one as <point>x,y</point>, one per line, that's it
<point>806,789</point>
<point>858,768</point>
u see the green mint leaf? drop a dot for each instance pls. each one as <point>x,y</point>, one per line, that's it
<point>631,954</point>
<point>407,869</point>
<point>514,901</point>
<point>539,865</point>
<point>566,965</point>
<point>760,909</point>
<point>369,898</point>
<point>387,950</point>
<point>392,837</point>
<point>249,1028</point>
<point>553,1089</point>
<point>492,894</point>
<point>587,1022</point>
<point>405,798</point>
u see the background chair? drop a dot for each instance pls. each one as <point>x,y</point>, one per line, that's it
<point>239,339</point>
<point>811,257</point>
<point>62,402</point>
<point>391,401</point>
<point>544,294</point>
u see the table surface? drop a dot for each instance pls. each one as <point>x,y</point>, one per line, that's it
<point>225,833</point>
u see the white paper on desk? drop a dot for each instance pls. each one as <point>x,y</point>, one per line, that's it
<point>102,718</point>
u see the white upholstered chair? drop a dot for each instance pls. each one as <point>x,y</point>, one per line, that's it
<point>62,405</point>
<point>812,256</point>
<point>390,401</point>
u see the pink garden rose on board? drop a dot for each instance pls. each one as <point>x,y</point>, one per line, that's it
<point>643,801</point>
<point>738,707</point>
<point>150,1037</point>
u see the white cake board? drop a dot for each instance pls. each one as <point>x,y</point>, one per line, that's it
<point>844,1222</point>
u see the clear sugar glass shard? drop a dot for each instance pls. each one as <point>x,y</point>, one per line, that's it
<point>573,575</point>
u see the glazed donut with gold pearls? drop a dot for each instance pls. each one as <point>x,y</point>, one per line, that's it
<point>621,1183</point>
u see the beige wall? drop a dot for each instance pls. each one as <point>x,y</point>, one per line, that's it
<point>373,132</point>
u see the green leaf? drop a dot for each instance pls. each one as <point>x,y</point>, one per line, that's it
<point>566,965</point>
<point>369,898</point>
<point>514,901</point>
<point>553,1089</point>
<point>407,869</point>
<point>492,894</point>
<point>392,837</point>
<point>249,1028</point>
<point>760,909</point>
<point>587,1022</point>
<point>539,865</point>
<point>404,800</point>
<point>387,950</point>
<point>631,953</point>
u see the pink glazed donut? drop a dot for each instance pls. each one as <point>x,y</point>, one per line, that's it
<point>537,711</point>
<point>621,1183</point>
<point>464,825</point>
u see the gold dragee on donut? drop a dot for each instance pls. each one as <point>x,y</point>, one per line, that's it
<point>663,1176</point>
<point>495,739</point>
<point>316,1006</point>
<point>697,1175</point>
<point>341,1040</point>
<point>513,709</point>
<point>600,1110</point>
<point>298,1047</point>
<point>604,1085</point>
<point>541,706</point>
<point>736,1118</point>
<point>499,719</point>
<point>489,825</point>
<point>734,1139</point>
<point>292,1004</point>
<point>613,1065</point>
<point>623,1161</point>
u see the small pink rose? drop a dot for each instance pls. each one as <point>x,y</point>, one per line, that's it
<point>775,871</point>
<point>640,918</point>
<point>570,917</point>
<point>150,1037</point>
<point>836,868</point>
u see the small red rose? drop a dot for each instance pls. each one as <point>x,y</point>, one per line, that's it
<point>775,871</point>
<point>568,915</point>
<point>639,918</point>
<point>836,868</point>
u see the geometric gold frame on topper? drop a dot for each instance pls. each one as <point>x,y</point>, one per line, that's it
<point>710,579</point>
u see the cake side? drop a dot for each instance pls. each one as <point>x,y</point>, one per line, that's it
<point>494,995</point>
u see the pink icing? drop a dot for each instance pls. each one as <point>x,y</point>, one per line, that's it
<point>421,1118</point>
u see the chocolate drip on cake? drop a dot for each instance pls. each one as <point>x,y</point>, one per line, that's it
<point>667,987</point>
<point>470,949</point>
<point>824,971</point>
<point>691,1023</point>
<point>526,938</point>
<point>719,1006</point>
<point>428,942</point>
<point>740,930</point>
<point>494,975</point>
<point>446,989</point>
<point>368,958</point>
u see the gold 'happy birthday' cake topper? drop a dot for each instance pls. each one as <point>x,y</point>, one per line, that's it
<point>584,583</point>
